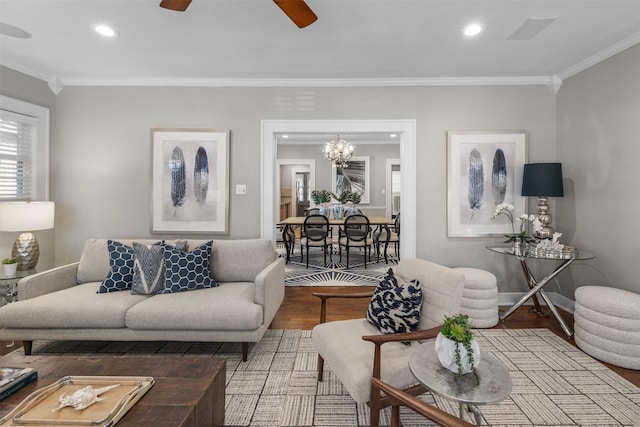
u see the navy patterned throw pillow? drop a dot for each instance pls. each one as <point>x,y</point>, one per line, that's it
<point>395,307</point>
<point>186,271</point>
<point>148,267</point>
<point>120,276</point>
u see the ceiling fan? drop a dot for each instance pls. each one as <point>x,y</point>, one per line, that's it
<point>297,10</point>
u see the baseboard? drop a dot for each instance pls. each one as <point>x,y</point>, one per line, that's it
<point>510,298</point>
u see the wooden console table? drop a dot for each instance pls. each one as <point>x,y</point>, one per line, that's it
<point>188,391</point>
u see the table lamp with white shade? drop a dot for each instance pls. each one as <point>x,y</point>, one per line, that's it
<point>25,217</point>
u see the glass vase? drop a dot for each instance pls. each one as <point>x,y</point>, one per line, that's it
<point>338,211</point>
<point>519,247</point>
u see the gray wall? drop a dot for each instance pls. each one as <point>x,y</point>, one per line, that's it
<point>28,89</point>
<point>101,149</point>
<point>101,169</point>
<point>599,147</point>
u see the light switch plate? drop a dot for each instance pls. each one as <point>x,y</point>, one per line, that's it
<point>241,189</point>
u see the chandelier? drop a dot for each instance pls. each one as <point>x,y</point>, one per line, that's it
<point>338,152</point>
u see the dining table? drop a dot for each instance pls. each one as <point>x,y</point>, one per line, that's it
<point>288,224</point>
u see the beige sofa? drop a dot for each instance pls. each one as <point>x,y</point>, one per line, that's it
<point>62,303</point>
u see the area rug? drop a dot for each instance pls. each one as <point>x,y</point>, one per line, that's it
<point>554,383</point>
<point>335,272</point>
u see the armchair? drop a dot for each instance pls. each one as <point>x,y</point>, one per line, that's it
<point>357,351</point>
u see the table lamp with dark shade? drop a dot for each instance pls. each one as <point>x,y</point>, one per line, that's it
<point>543,180</point>
<point>25,217</point>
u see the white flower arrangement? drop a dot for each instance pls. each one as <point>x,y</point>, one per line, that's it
<point>507,210</point>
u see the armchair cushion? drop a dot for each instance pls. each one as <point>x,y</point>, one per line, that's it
<point>351,358</point>
<point>395,306</point>
<point>442,289</point>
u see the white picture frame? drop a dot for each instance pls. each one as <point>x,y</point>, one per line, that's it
<point>190,181</point>
<point>484,168</point>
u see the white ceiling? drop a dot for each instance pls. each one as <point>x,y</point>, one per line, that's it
<point>353,42</point>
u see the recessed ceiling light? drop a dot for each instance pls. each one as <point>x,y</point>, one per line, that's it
<point>394,135</point>
<point>472,30</point>
<point>105,30</point>
<point>285,136</point>
<point>11,31</point>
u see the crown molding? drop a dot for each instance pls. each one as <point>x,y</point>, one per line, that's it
<point>25,70</point>
<point>357,82</point>
<point>57,83</point>
<point>600,56</point>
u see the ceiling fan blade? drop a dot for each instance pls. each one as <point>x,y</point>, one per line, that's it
<point>297,11</point>
<point>177,5</point>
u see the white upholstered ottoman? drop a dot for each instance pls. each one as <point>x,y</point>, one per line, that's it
<point>480,297</point>
<point>607,325</point>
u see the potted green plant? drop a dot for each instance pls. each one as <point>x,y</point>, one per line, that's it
<point>321,198</point>
<point>10,266</point>
<point>455,346</point>
<point>355,200</point>
<point>342,198</point>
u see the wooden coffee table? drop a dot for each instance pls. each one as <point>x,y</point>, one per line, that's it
<point>188,391</point>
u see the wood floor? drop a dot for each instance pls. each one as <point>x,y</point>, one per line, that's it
<point>301,310</point>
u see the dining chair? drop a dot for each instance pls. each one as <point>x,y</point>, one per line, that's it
<point>380,237</point>
<point>312,211</point>
<point>317,233</point>
<point>307,212</point>
<point>355,232</point>
<point>289,240</point>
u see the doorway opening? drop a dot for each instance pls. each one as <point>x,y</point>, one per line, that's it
<point>296,179</point>
<point>405,129</point>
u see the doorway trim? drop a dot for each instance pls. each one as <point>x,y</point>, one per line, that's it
<point>388,185</point>
<point>406,130</point>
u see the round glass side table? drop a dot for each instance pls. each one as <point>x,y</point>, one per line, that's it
<point>565,259</point>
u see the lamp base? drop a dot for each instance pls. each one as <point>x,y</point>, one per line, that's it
<point>546,232</point>
<point>26,250</point>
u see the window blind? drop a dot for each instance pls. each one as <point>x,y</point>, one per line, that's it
<point>17,142</point>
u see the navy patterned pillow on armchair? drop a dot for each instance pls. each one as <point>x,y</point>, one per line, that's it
<point>395,306</point>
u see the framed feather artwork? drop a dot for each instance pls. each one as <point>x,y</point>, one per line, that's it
<point>190,181</point>
<point>484,169</point>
